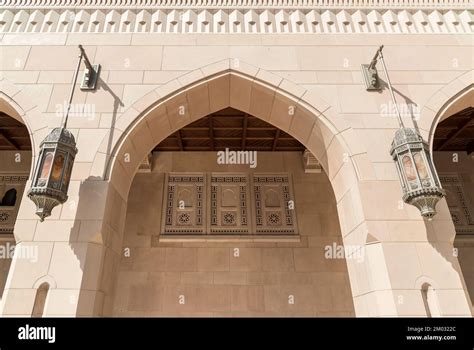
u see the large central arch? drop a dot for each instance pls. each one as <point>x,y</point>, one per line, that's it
<point>231,83</point>
<point>228,83</point>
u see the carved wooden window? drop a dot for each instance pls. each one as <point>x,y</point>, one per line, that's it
<point>273,204</point>
<point>459,202</point>
<point>184,204</point>
<point>11,190</point>
<point>228,204</point>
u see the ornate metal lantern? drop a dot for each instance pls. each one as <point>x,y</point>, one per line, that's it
<point>418,178</point>
<point>53,171</point>
<point>57,152</point>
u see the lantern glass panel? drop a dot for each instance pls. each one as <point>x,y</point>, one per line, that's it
<point>57,170</point>
<point>408,168</point>
<point>433,171</point>
<point>45,169</point>
<point>58,167</point>
<point>421,166</point>
<point>67,175</point>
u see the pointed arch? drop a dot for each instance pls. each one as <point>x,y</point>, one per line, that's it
<point>450,99</point>
<point>158,114</point>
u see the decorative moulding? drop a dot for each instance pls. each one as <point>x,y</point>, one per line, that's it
<point>237,16</point>
<point>239,4</point>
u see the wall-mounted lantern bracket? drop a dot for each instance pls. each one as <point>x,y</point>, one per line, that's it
<point>369,72</point>
<point>91,73</point>
<point>371,77</point>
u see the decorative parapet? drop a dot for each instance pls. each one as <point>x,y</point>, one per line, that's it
<point>236,16</point>
<point>239,4</point>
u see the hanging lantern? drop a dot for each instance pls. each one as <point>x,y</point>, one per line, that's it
<point>58,150</point>
<point>420,183</point>
<point>418,178</point>
<point>53,171</point>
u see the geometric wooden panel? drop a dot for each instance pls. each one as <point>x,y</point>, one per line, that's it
<point>229,212</point>
<point>11,191</point>
<point>184,204</point>
<point>222,204</point>
<point>273,195</point>
<point>459,204</point>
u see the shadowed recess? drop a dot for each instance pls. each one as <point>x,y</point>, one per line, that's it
<point>14,135</point>
<point>456,133</point>
<point>233,129</point>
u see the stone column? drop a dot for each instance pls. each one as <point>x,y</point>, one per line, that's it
<point>401,252</point>
<point>74,251</point>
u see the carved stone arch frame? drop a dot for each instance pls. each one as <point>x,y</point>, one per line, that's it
<point>227,83</point>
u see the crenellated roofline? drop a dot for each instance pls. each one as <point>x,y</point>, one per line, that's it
<point>237,16</point>
<point>238,4</point>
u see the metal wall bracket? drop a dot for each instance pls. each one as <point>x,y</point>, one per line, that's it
<point>89,80</point>
<point>371,77</point>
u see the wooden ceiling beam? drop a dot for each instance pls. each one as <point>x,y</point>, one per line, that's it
<point>244,131</point>
<point>180,140</point>
<point>233,129</point>
<point>275,140</point>
<point>13,127</point>
<point>470,147</point>
<point>453,135</point>
<point>9,141</point>
<point>221,138</point>
<point>250,128</point>
<point>211,131</point>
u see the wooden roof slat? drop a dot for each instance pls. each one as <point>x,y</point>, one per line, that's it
<point>455,132</point>
<point>9,141</point>
<point>14,134</point>
<point>231,129</point>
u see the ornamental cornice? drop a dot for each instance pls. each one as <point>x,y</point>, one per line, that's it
<point>240,4</point>
<point>237,16</point>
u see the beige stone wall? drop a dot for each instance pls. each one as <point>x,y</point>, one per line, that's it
<point>146,77</point>
<point>462,164</point>
<point>214,282</point>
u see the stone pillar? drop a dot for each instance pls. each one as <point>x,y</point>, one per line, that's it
<point>401,254</point>
<point>74,251</point>
<point>394,251</point>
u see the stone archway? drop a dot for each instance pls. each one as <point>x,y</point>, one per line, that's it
<point>273,264</point>
<point>15,167</point>
<point>443,102</point>
<point>287,106</point>
<point>281,103</point>
<point>155,116</point>
<point>458,102</point>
